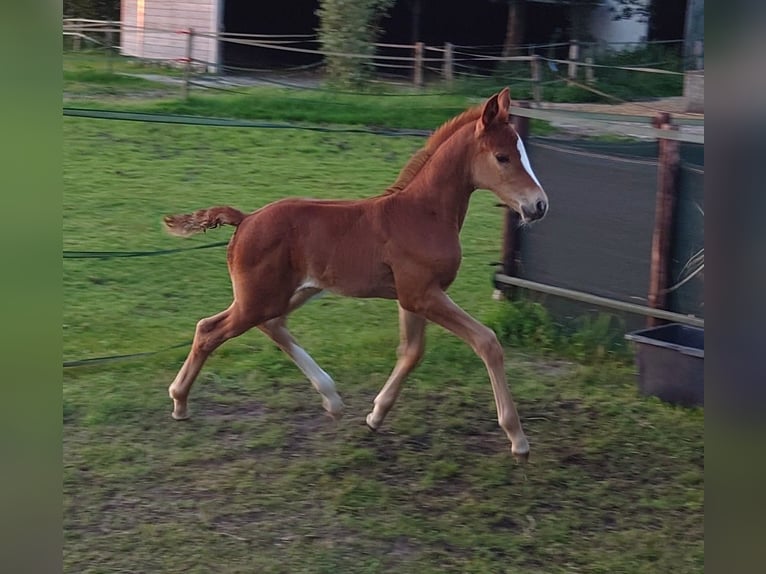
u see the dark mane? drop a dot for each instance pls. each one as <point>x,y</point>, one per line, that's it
<point>421,157</point>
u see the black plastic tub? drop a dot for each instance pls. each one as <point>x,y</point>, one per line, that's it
<point>670,361</point>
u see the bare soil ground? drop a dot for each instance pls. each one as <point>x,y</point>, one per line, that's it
<point>675,106</point>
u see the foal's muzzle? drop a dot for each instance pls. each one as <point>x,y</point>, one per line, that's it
<point>536,211</point>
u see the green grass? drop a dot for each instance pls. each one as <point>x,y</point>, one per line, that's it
<point>422,108</point>
<point>416,112</point>
<point>289,105</point>
<point>100,60</point>
<point>92,74</point>
<point>259,480</point>
<point>90,81</point>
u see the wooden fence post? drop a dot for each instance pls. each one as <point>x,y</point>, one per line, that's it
<point>418,70</point>
<point>536,88</point>
<point>109,44</point>
<point>447,64</point>
<point>668,168</point>
<point>187,69</point>
<point>590,77</point>
<point>511,234</point>
<point>574,55</point>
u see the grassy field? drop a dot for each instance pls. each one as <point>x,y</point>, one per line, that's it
<point>121,83</point>
<point>94,66</point>
<point>259,480</point>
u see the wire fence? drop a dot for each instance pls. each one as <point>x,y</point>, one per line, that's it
<point>534,66</point>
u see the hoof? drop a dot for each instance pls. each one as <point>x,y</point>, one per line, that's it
<point>521,457</point>
<point>333,407</point>
<point>368,422</point>
<point>335,416</point>
<point>180,411</point>
<point>180,416</point>
<point>520,450</point>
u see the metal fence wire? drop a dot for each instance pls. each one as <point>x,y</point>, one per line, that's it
<point>597,238</point>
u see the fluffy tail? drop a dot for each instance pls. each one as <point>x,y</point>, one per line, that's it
<point>188,224</point>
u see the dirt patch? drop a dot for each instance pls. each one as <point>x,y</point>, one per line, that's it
<point>233,411</point>
<point>553,368</point>
<point>675,105</point>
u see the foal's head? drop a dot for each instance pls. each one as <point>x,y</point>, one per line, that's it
<point>501,164</point>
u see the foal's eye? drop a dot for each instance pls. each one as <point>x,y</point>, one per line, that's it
<point>502,158</point>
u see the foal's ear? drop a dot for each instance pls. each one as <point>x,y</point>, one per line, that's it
<point>488,114</point>
<point>504,100</point>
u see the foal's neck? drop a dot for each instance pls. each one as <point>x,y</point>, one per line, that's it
<point>445,184</point>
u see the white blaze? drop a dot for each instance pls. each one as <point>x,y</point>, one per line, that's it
<point>525,161</point>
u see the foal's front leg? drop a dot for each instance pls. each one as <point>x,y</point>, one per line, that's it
<point>412,344</point>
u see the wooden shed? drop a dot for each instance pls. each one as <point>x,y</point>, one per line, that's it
<point>155,30</point>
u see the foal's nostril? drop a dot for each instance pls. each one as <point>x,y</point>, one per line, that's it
<point>542,207</point>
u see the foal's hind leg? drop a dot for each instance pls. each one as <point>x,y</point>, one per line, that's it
<point>209,335</point>
<point>412,344</point>
<point>323,383</point>
<point>437,307</point>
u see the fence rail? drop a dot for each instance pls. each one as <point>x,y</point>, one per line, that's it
<point>605,302</point>
<point>539,60</point>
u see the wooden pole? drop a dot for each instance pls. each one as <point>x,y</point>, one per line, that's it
<point>447,65</point>
<point>662,238</point>
<point>574,55</point>
<point>590,78</point>
<point>418,71</point>
<point>536,87</point>
<point>511,257</point>
<point>109,44</point>
<point>187,69</point>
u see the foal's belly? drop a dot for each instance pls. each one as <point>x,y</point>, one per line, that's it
<point>367,291</point>
<point>339,249</point>
<point>363,282</point>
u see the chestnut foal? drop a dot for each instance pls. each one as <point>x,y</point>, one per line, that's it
<point>403,245</point>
